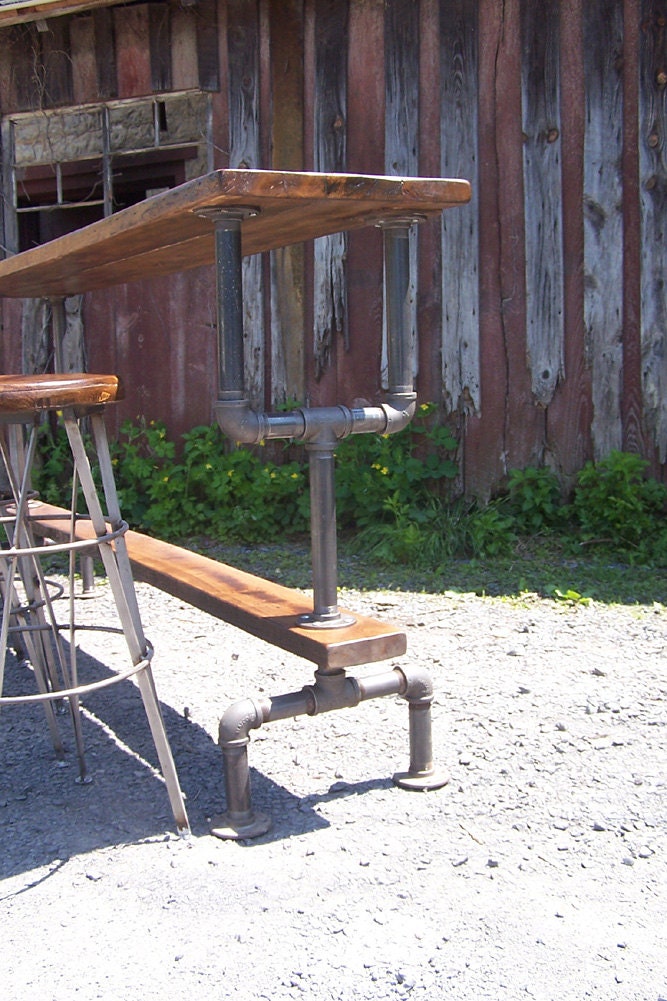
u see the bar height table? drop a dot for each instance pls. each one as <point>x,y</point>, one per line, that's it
<point>217,219</point>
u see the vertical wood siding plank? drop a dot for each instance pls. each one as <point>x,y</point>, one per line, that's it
<point>359,366</point>
<point>287,263</point>
<point>653,188</point>
<point>542,193</point>
<point>8,99</point>
<point>105,53</point>
<point>603,219</point>
<point>133,59</point>
<point>401,129</point>
<point>28,76</point>
<point>84,64</point>
<point>460,227</point>
<point>634,433</point>
<point>429,299</point>
<point>56,62</point>
<point>159,27</point>
<point>207,45</point>
<point>244,140</point>
<point>184,69</point>
<point>568,422</point>
<point>330,151</point>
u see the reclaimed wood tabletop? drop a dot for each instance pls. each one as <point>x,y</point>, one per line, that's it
<point>165,233</point>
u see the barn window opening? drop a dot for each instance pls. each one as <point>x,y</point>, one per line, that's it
<point>68,168</point>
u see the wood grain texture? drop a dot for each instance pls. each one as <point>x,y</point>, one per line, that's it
<point>330,154</point>
<point>287,263</point>
<point>460,230</point>
<point>543,196</point>
<point>429,298</point>
<point>133,62</point>
<point>634,432</point>
<point>207,44</point>
<point>653,188</point>
<point>159,39</point>
<point>571,409</point>
<point>105,53</point>
<point>84,64</point>
<point>358,365</point>
<point>603,218</point>
<point>26,393</point>
<point>164,234</point>
<point>401,136</point>
<point>184,68</point>
<point>56,63</point>
<point>259,607</point>
<point>244,144</point>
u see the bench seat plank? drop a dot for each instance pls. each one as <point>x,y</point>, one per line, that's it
<point>164,234</point>
<point>260,607</point>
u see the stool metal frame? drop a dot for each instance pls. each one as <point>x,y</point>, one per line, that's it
<point>31,617</point>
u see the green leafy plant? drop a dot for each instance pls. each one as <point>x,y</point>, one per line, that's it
<point>617,508</point>
<point>534,500</point>
<point>379,475</point>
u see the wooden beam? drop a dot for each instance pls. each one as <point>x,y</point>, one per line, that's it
<point>22,11</point>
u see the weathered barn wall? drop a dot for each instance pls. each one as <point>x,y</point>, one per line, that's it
<point>540,307</point>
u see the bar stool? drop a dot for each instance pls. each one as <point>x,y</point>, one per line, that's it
<point>29,623</point>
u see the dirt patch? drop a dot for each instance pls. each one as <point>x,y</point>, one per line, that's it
<point>539,871</point>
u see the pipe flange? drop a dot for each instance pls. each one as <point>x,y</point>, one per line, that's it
<point>433,778</point>
<point>224,213</point>
<point>235,827</point>
<point>327,620</point>
<point>400,222</point>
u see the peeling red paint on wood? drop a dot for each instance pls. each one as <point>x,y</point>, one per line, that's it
<point>358,369</point>
<point>133,61</point>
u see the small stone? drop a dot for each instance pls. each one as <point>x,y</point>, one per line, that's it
<point>493,863</point>
<point>628,861</point>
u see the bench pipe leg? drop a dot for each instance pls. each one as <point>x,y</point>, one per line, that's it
<point>328,693</point>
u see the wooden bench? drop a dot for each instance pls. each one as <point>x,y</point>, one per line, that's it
<point>259,607</point>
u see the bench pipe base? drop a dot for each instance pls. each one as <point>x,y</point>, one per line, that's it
<point>328,693</point>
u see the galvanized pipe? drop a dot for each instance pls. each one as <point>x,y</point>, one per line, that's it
<point>421,774</point>
<point>396,238</point>
<point>320,428</point>
<point>323,542</point>
<point>331,691</point>
<point>229,289</point>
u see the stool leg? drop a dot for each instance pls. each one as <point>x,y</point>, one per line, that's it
<point>117,566</point>
<point>17,467</point>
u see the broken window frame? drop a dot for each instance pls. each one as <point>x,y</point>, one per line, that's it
<point>111,159</point>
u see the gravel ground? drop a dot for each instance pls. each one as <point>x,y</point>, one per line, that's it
<point>538,872</point>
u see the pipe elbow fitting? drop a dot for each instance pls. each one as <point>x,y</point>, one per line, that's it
<point>239,422</point>
<point>399,409</point>
<point>238,720</point>
<point>418,685</point>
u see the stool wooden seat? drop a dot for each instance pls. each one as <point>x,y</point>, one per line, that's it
<point>29,622</point>
<point>36,393</point>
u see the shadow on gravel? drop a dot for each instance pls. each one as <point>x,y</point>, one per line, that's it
<point>47,816</point>
<point>292,816</point>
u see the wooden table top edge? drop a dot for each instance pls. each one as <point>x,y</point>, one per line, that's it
<point>156,236</point>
